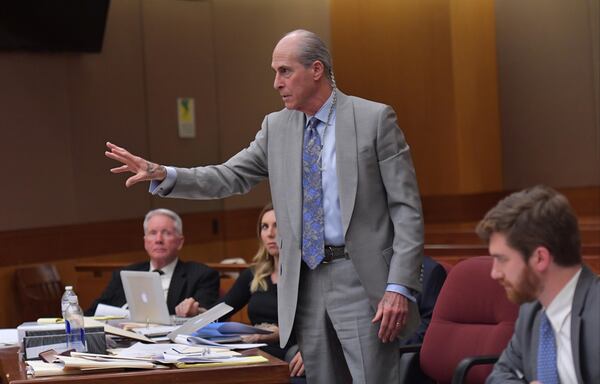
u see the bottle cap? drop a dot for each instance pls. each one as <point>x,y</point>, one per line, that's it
<point>69,288</point>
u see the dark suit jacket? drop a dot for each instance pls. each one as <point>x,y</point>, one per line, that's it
<point>518,362</point>
<point>433,275</point>
<point>190,279</point>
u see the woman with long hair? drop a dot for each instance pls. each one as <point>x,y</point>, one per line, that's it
<point>257,287</point>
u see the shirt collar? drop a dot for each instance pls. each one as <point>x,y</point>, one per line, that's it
<point>560,308</point>
<point>323,112</point>
<point>167,269</point>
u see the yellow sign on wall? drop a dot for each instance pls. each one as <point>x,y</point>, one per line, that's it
<point>186,119</point>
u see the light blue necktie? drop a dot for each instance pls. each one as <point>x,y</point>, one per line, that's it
<point>313,242</point>
<point>547,372</point>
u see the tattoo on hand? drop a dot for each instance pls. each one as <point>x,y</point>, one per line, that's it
<point>152,168</point>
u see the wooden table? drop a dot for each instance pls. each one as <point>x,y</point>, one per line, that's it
<point>13,371</point>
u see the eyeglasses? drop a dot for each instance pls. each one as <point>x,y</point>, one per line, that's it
<point>165,233</point>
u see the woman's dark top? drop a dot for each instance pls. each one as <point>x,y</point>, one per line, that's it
<point>262,306</point>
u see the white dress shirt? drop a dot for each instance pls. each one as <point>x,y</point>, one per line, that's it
<point>165,278</point>
<point>559,314</point>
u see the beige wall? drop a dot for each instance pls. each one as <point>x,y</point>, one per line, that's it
<point>549,70</point>
<point>433,60</point>
<point>58,109</point>
<point>245,34</point>
<point>491,95</point>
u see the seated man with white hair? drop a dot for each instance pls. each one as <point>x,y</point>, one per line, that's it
<point>188,286</point>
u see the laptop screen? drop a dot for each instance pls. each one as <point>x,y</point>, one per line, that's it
<point>145,297</point>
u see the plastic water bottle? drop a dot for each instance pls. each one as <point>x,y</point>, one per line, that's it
<point>74,326</point>
<point>64,301</point>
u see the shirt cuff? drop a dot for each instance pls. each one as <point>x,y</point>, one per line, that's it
<point>401,290</point>
<point>164,187</point>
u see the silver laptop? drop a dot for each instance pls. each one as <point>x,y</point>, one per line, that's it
<point>145,297</point>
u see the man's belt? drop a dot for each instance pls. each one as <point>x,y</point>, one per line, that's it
<point>334,252</point>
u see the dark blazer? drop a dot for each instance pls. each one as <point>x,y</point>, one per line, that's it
<point>518,362</point>
<point>190,279</point>
<point>433,275</point>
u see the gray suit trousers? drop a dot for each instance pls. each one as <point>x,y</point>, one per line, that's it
<point>339,343</point>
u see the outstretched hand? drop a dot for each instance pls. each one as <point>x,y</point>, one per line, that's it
<point>144,170</point>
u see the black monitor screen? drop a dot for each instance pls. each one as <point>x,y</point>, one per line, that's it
<point>52,25</point>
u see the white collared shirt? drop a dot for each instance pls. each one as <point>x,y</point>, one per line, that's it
<point>559,314</point>
<point>165,278</point>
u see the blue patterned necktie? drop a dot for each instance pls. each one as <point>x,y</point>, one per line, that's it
<point>547,373</point>
<point>313,243</point>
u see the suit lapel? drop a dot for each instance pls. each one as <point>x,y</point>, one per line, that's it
<point>346,157</point>
<point>176,285</point>
<point>293,170</point>
<point>578,303</point>
<point>145,267</point>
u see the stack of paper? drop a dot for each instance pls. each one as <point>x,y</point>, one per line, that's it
<point>244,360</point>
<point>85,362</point>
<point>195,340</point>
<point>182,354</point>
<point>9,336</point>
<point>157,352</point>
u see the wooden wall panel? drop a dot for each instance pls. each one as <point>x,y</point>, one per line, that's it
<point>180,62</point>
<point>475,87</point>
<point>399,53</point>
<point>106,102</point>
<point>549,77</point>
<point>245,34</point>
<point>431,61</point>
<point>34,106</point>
<point>212,236</point>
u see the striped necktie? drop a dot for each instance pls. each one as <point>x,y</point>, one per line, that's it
<point>313,242</point>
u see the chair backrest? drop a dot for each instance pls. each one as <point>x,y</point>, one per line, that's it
<point>472,317</point>
<point>39,290</point>
<point>447,266</point>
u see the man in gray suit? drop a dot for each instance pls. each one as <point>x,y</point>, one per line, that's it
<point>534,238</point>
<point>350,302</point>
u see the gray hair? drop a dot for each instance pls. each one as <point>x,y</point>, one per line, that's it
<point>164,212</point>
<point>310,49</point>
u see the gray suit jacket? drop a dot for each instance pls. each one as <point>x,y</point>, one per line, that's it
<point>379,197</point>
<point>518,362</point>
